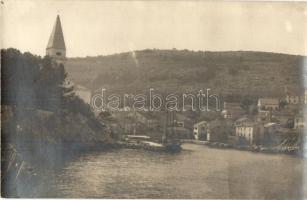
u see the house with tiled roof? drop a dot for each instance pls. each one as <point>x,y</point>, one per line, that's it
<point>268,104</point>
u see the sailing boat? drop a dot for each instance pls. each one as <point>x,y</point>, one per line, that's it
<point>169,143</point>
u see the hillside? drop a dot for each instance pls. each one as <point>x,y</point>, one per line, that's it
<point>226,73</point>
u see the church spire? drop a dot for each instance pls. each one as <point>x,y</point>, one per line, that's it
<point>56,45</point>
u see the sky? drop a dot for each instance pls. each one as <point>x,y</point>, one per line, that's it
<point>106,27</point>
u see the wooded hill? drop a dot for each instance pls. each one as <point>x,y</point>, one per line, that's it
<point>242,73</point>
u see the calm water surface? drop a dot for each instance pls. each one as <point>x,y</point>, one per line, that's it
<point>196,172</point>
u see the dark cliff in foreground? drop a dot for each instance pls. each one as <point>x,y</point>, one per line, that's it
<point>227,73</point>
<point>43,123</point>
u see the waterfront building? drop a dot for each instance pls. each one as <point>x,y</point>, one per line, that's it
<point>263,116</point>
<point>218,130</point>
<point>251,132</point>
<point>182,120</point>
<point>241,120</point>
<point>295,96</point>
<point>294,99</point>
<point>271,127</point>
<point>268,104</point>
<point>283,117</point>
<point>300,120</point>
<point>270,132</point>
<point>200,130</point>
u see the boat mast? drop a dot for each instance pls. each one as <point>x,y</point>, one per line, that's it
<point>164,137</point>
<point>173,119</point>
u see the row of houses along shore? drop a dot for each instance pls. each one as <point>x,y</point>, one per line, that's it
<point>269,122</point>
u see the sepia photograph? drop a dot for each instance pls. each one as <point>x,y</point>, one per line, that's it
<point>181,99</point>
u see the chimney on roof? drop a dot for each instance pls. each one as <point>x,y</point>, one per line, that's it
<point>56,45</point>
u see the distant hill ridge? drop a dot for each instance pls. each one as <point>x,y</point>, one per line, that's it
<point>244,73</point>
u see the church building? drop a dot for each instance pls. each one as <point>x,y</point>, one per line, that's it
<point>56,45</point>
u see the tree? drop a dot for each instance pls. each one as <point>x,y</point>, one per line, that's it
<point>32,81</point>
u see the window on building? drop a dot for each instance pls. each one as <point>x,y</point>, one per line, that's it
<point>58,53</point>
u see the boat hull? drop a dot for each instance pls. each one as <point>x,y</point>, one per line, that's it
<point>152,146</point>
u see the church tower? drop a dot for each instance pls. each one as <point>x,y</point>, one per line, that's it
<point>56,45</point>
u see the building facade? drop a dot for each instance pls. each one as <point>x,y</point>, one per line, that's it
<point>295,96</point>
<point>251,132</point>
<point>200,131</point>
<point>218,130</point>
<point>268,104</point>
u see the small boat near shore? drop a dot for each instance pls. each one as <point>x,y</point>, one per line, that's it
<point>168,142</point>
<point>144,142</point>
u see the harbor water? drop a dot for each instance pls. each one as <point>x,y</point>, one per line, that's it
<point>197,172</point>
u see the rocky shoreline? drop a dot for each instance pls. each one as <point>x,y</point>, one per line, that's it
<point>289,150</point>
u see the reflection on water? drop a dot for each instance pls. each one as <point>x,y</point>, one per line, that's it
<point>197,172</point>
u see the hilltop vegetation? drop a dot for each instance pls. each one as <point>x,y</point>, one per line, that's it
<point>38,108</point>
<point>43,122</point>
<point>226,73</point>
